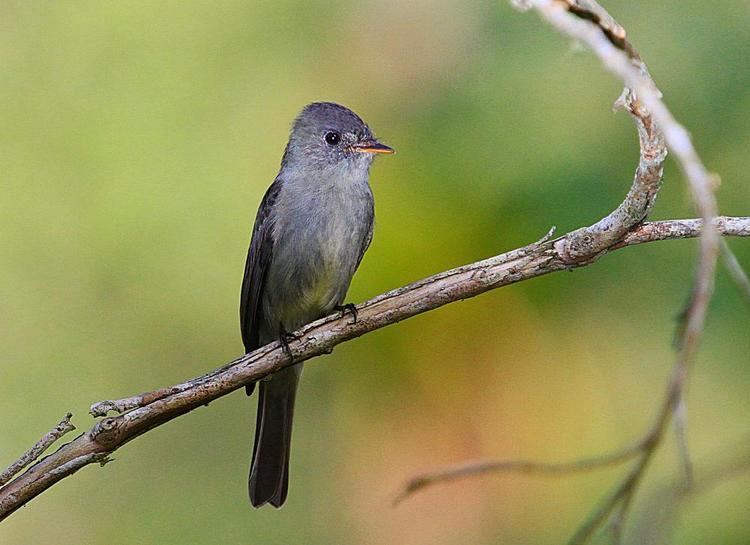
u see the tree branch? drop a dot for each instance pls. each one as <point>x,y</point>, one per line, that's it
<point>623,227</point>
<point>49,438</point>
<point>589,23</point>
<point>480,467</point>
<point>671,229</point>
<point>153,409</point>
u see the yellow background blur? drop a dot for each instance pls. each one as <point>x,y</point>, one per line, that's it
<point>137,139</point>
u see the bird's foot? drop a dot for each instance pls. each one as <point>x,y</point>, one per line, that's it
<point>284,338</point>
<point>348,307</point>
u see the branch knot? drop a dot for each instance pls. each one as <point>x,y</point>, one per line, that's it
<point>107,432</point>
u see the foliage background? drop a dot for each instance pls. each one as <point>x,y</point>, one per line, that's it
<point>137,139</point>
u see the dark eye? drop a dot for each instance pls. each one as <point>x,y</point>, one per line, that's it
<point>333,138</point>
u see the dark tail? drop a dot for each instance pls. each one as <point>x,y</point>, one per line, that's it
<point>269,470</point>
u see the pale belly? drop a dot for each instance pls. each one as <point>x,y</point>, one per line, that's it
<point>309,275</point>
<point>318,239</point>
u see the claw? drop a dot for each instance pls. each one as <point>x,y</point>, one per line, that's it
<point>348,307</point>
<point>284,338</point>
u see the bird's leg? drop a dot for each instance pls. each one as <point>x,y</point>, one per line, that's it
<point>284,338</point>
<point>348,307</point>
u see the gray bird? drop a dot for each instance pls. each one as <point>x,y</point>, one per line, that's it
<point>312,229</point>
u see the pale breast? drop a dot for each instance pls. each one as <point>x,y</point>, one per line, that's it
<point>318,238</point>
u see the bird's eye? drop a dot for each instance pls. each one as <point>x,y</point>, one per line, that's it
<point>333,138</point>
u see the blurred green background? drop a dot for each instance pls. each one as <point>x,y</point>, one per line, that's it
<point>136,142</point>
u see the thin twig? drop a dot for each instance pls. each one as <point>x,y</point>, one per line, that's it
<point>687,228</point>
<point>622,496</point>
<point>475,468</point>
<point>619,497</point>
<point>683,450</point>
<point>63,427</point>
<point>735,270</point>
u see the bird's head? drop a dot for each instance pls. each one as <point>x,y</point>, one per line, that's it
<point>327,135</point>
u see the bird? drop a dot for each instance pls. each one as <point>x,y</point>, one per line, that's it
<point>312,229</point>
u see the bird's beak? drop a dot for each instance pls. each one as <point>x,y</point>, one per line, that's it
<point>371,146</point>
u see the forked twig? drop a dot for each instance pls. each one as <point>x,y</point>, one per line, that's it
<point>587,22</point>
<point>31,455</point>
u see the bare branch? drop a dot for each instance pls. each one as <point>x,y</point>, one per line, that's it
<point>153,409</point>
<point>639,200</point>
<point>625,226</point>
<point>63,427</point>
<point>689,228</point>
<point>621,497</point>
<point>683,450</point>
<point>476,468</point>
<point>586,21</point>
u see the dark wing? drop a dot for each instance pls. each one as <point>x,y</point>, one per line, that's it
<point>368,235</point>
<point>258,259</point>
